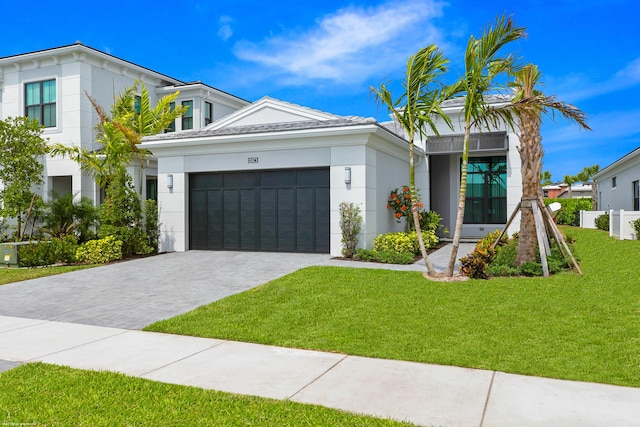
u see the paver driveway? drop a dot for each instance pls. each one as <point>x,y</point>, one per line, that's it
<point>135,293</point>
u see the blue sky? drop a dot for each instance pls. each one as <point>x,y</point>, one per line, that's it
<point>327,54</point>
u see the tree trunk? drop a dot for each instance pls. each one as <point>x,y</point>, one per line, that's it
<point>414,210</point>
<point>461,203</point>
<point>531,161</point>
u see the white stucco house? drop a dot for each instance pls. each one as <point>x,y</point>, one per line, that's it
<point>265,175</point>
<point>618,184</point>
<point>50,85</point>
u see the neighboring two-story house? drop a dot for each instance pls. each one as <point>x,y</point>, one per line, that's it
<point>261,176</point>
<point>50,85</point>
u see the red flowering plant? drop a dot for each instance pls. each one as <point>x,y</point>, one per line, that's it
<point>400,202</point>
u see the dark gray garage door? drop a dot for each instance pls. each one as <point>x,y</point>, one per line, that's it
<point>276,210</point>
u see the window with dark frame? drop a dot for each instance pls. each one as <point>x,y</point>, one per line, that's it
<point>486,197</point>
<point>40,102</point>
<point>172,125</point>
<point>614,182</point>
<point>636,195</point>
<point>152,188</point>
<point>208,113</point>
<point>187,117</point>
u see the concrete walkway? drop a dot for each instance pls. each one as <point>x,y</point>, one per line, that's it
<point>419,393</point>
<point>88,320</point>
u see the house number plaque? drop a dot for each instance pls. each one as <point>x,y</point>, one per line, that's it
<point>253,160</point>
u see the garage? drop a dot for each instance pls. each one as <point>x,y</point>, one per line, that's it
<point>283,210</point>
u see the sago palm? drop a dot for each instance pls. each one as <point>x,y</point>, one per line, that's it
<point>414,110</point>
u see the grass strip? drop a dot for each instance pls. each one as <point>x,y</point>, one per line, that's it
<point>46,395</point>
<point>10,275</point>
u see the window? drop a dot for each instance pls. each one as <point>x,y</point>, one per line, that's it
<point>614,182</point>
<point>172,125</point>
<point>187,117</point>
<point>136,104</point>
<point>486,201</point>
<point>152,188</point>
<point>636,196</point>
<point>208,113</point>
<point>40,102</point>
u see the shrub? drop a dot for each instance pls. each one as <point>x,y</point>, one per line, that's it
<point>350,226</point>
<point>431,221</point>
<point>400,203</point>
<point>397,242</point>
<point>35,254</point>
<point>602,222</point>
<point>65,217</point>
<point>636,227</point>
<point>475,265</point>
<point>60,250</point>
<point>100,251</point>
<point>387,257</point>
<point>569,213</point>
<point>151,224</point>
<point>121,216</point>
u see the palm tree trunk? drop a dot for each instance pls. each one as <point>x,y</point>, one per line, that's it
<point>461,202</point>
<point>531,162</point>
<point>414,210</point>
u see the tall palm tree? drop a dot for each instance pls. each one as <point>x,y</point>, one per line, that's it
<point>483,68</point>
<point>121,134</point>
<point>415,109</point>
<point>529,106</point>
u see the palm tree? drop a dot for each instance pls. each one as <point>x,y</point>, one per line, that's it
<point>529,105</point>
<point>483,67</point>
<point>416,109</point>
<point>121,134</point>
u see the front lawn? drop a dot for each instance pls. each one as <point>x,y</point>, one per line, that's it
<point>9,275</point>
<point>567,326</point>
<point>46,395</point>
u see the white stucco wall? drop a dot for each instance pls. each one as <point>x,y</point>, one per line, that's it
<point>625,171</point>
<point>377,166</point>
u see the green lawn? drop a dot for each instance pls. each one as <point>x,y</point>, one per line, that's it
<point>47,395</point>
<point>568,326</point>
<point>9,275</point>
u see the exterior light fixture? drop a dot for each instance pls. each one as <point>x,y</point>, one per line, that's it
<point>169,181</point>
<point>347,175</point>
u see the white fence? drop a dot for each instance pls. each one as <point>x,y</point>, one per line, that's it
<point>620,224</point>
<point>588,218</point>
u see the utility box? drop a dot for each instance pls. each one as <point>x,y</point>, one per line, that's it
<point>9,253</point>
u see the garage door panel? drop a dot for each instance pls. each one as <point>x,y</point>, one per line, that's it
<point>215,215</point>
<point>268,220</point>
<point>248,212</point>
<point>305,236</point>
<point>280,210</point>
<point>280,178</point>
<point>231,218</point>
<point>199,227</point>
<point>241,179</point>
<point>286,216</point>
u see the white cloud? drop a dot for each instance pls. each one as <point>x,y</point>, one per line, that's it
<point>625,78</point>
<point>224,29</point>
<point>349,45</point>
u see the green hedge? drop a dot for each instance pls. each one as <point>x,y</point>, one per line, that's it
<point>570,212</point>
<point>59,250</point>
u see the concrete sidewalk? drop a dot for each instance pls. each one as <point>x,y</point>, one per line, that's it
<point>419,393</point>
